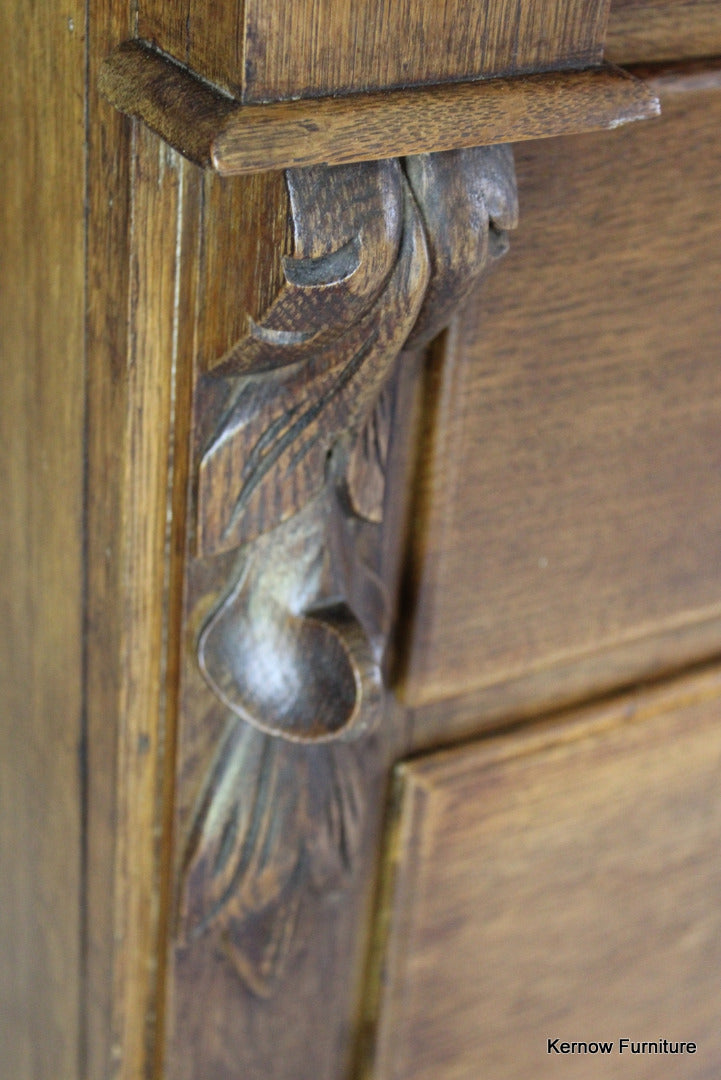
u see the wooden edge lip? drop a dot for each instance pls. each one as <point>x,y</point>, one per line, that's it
<point>172,101</point>
<point>365,127</point>
<point>215,131</point>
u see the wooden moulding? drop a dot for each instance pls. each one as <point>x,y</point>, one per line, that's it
<point>217,132</point>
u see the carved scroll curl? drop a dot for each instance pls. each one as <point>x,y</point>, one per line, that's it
<point>293,478</point>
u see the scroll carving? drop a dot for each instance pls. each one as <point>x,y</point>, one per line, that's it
<point>293,480</point>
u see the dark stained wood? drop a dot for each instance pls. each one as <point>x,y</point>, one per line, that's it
<point>469,202</point>
<point>325,346</point>
<point>264,52</point>
<point>122,835</point>
<point>649,30</point>
<point>569,500</point>
<point>234,139</point>
<point>309,803</point>
<point>317,809</point>
<point>210,40</point>
<point>41,457</point>
<point>373,267</point>
<point>561,881</point>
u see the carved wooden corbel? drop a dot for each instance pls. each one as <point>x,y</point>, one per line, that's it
<point>288,596</point>
<point>293,479</point>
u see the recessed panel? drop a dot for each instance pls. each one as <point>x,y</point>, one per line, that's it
<point>570,470</point>
<point>560,886</point>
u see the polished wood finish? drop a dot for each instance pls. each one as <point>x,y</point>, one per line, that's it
<point>650,30</point>
<point>568,501</point>
<point>41,545</point>
<point>213,131</point>
<point>262,52</point>
<point>558,882</point>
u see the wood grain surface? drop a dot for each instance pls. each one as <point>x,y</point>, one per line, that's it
<point>109,207</point>
<point>558,882</point>
<point>649,30</point>
<point>430,119</point>
<point>41,455</point>
<point>569,501</point>
<point>265,52</point>
<point>105,339</point>
<point>213,131</point>
<point>322,46</point>
<point>143,207</point>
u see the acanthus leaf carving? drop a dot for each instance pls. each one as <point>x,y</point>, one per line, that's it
<point>276,819</point>
<point>275,653</point>
<point>268,457</point>
<point>293,479</point>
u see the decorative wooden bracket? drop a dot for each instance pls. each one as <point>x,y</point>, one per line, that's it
<point>293,478</point>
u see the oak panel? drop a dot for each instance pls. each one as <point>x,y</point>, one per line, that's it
<point>41,457</point>
<point>272,52</point>
<point>569,493</point>
<point>560,882</point>
<point>649,30</point>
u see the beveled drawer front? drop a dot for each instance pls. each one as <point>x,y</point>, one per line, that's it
<point>559,883</point>
<point>569,497</point>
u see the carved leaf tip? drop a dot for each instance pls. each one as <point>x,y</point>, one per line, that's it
<point>466,199</point>
<point>306,678</point>
<point>268,457</point>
